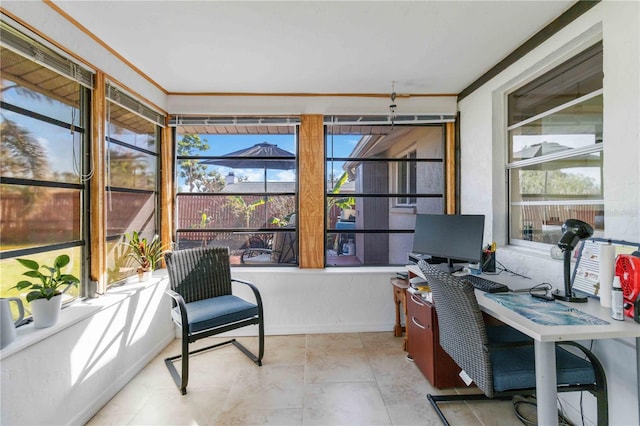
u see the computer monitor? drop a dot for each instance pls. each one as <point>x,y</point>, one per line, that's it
<point>456,238</point>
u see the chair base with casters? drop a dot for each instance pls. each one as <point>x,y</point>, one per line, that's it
<point>501,360</point>
<point>203,305</point>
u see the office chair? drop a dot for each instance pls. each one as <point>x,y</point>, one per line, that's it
<point>203,304</point>
<point>500,359</point>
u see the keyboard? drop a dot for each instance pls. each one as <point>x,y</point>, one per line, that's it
<point>485,285</point>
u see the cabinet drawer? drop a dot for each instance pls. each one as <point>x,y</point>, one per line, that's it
<point>420,310</point>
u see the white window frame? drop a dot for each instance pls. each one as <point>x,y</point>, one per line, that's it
<point>404,187</point>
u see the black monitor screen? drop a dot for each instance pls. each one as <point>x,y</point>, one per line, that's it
<point>456,238</point>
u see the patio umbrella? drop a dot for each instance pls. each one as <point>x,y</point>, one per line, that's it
<point>260,156</point>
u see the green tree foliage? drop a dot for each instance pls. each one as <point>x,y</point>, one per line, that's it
<point>243,209</point>
<point>557,182</point>
<point>195,173</point>
<point>344,202</point>
<point>130,170</point>
<point>22,155</point>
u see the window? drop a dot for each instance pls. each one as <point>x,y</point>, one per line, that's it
<point>556,150</point>
<point>406,179</point>
<point>378,178</point>
<point>43,164</point>
<point>236,187</point>
<point>132,149</point>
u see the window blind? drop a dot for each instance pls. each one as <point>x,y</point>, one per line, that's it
<point>114,94</point>
<point>33,50</point>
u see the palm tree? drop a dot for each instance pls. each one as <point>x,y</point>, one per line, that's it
<point>22,155</point>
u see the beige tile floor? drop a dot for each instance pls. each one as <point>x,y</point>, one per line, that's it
<point>315,379</point>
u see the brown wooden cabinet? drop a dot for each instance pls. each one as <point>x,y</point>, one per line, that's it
<point>424,346</point>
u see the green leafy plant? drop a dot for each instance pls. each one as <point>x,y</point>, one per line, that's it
<point>49,285</point>
<point>239,205</point>
<point>146,253</point>
<point>344,202</point>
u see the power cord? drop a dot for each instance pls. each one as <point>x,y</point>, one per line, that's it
<point>543,287</point>
<point>521,400</point>
<point>530,401</point>
<point>503,268</point>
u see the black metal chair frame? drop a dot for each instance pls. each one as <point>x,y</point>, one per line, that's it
<point>597,388</point>
<point>181,379</point>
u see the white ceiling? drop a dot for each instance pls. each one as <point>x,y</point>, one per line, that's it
<point>426,47</point>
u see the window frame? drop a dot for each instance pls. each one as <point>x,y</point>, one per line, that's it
<point>512,166</point>
<point>260,235</point>
<point>406,180</point>
<point>124,101</point>
<point>333,234</point>
<point>79,126</point>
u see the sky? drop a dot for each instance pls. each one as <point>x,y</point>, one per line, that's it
<point>223,144</point>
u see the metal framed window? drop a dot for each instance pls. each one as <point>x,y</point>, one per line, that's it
<point>379,176</point>
<point>556,151</point>
<point>406,180</point>
<point>236,183</point>
<point>132,146</point>
<point>44,164</point>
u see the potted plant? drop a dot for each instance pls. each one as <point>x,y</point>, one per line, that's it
<point>145,253</point>
<point>45,297</point>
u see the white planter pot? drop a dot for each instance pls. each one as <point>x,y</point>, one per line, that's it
<point>46,312</point>
<point>145,276</point>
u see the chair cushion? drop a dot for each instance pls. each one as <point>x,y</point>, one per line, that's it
<point>514,368</point>
<point>216,311</point>
<point>505,334</point>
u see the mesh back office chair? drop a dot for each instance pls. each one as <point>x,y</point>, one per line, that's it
<point>500,359</point>
<point>203,304</point>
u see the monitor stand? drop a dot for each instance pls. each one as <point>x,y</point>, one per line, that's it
<point>449,267</point>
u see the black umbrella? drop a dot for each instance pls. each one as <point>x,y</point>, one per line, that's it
<point>262,155</point>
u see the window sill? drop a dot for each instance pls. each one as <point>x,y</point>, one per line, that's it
<point>541,251</point>
<point>314,271</point>
<point>79,310</point>
<point>403,210</point>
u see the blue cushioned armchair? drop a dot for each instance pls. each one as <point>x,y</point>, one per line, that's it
<point>203,304</point>
<point>500,359</point>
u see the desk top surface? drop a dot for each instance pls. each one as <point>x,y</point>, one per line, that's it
<point>550,333</point>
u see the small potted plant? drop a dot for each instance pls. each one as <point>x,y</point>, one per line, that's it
<point>145,253</point>
<point>45,297</point>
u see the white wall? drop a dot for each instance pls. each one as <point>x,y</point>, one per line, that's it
<point>69,38</point>
<point>328,105</point>
<point>483,151</point>
<point>66,373</point>
<point>334,300</point>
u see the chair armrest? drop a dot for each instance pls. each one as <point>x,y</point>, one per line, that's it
<point>256,293</point>
<point>598,369</point>
<point>179,302</point>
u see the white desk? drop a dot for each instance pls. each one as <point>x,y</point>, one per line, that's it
<point>545,337</point>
